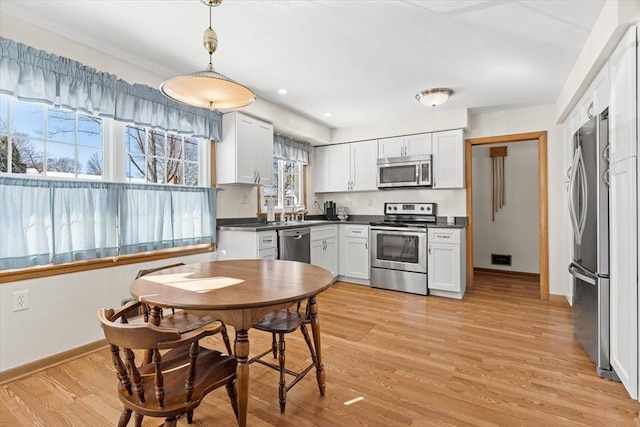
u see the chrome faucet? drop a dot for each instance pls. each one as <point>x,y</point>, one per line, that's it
<point>297,212</point>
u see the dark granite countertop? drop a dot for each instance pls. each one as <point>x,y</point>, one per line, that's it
<point>259,224</point>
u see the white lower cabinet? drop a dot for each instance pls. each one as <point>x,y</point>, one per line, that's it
<point>623,222</point>
<point>446,262</point>
<point>324,247</point>
<point>234,244</point>
<point>354,251</point>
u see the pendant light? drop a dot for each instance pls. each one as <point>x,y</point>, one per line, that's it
<point>208,88</point>
<point>434,97</point>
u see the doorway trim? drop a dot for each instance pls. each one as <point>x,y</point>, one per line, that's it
<point>543,208</point>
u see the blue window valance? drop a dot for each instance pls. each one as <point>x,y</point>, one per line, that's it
<point>289,148</point>
<point>37,76</point>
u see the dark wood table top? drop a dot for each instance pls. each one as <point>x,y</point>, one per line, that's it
<point>232,285</point>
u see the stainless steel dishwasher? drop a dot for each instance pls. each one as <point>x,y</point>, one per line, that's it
<point>294,244</point>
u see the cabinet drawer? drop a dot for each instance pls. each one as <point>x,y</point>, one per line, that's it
<point>270,253</point>
<point>354,230</point>
<point>267,239</point>
<point>444,235</point>
<point>324,232</point>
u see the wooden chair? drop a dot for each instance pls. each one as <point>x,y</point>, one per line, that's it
<point>181,320</point>
<point>281,322</point>
<point>174,383</point>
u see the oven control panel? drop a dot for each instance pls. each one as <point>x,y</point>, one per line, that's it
<point>410,209</point>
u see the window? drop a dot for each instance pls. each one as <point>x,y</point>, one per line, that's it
<point>288,186</point>
<point>77,212</point>
<point>160,157</point>
<point>36,139</point>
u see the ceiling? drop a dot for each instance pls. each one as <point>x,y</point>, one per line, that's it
<point>362,61</point>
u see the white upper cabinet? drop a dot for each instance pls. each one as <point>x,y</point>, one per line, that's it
<point>346,167</point>
<point>448,159</point>
<point>409,145</point>
<point>601,91</point>
<point>364,156</point>
<point>320,167</point>
<point>623,103</point>
<point>417,144</point>
<point>339,165</point>
<point>391,147</point>
<point>245,154</point>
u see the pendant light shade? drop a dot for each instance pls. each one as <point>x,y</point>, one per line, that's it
<point>434,97</point>
<point>208,88</point>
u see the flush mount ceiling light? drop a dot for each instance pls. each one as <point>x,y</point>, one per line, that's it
<point>434,97</point>
<point>208,88</point>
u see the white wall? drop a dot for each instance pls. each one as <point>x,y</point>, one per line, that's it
<point>515,228</point>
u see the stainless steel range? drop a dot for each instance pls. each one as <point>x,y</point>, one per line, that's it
<point>399,247</point>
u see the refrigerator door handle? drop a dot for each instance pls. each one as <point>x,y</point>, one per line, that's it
<point>572,209</point>
<point>585,196</point>
<point>579,272</point>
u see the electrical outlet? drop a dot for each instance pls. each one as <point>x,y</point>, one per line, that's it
<point>20,300</point>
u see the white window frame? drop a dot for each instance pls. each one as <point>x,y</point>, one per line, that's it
<point>113,150</point>
<point>300,198</point>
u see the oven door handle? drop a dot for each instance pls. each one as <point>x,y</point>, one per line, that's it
<point>400,229</point>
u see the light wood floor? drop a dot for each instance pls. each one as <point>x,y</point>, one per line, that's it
<point>500,357</point>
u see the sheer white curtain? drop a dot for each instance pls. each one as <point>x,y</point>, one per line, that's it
<point>145,219</point>
<point>193,219</point>
<point>84,225</point>
<point>52,222</point>
<point>25,223</point>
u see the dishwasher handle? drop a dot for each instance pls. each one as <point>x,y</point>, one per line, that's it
<point>296,233</point>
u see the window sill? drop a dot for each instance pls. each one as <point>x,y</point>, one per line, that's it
<point>54,270</point>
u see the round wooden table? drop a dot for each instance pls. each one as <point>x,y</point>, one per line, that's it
<point>238,292</point>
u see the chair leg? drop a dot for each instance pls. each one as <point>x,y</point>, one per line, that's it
<point>171,422</point>
<point>137,419</point>
<point>312,350</point>
<point>283,385</point>
<point>232,391</point>
<point>274,348</point>
<point>225,338</point>
<point>190,417</point>
<point>124,418</point>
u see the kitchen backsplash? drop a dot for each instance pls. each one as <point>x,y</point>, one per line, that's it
<point>241,201</point>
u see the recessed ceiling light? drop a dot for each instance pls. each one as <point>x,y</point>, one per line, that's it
<point>283,91</point>
<point>328,114</point>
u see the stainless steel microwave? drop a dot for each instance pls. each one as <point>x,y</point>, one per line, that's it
<point>406,171</point>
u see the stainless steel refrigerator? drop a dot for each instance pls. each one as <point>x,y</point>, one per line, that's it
<point>589,213</point>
